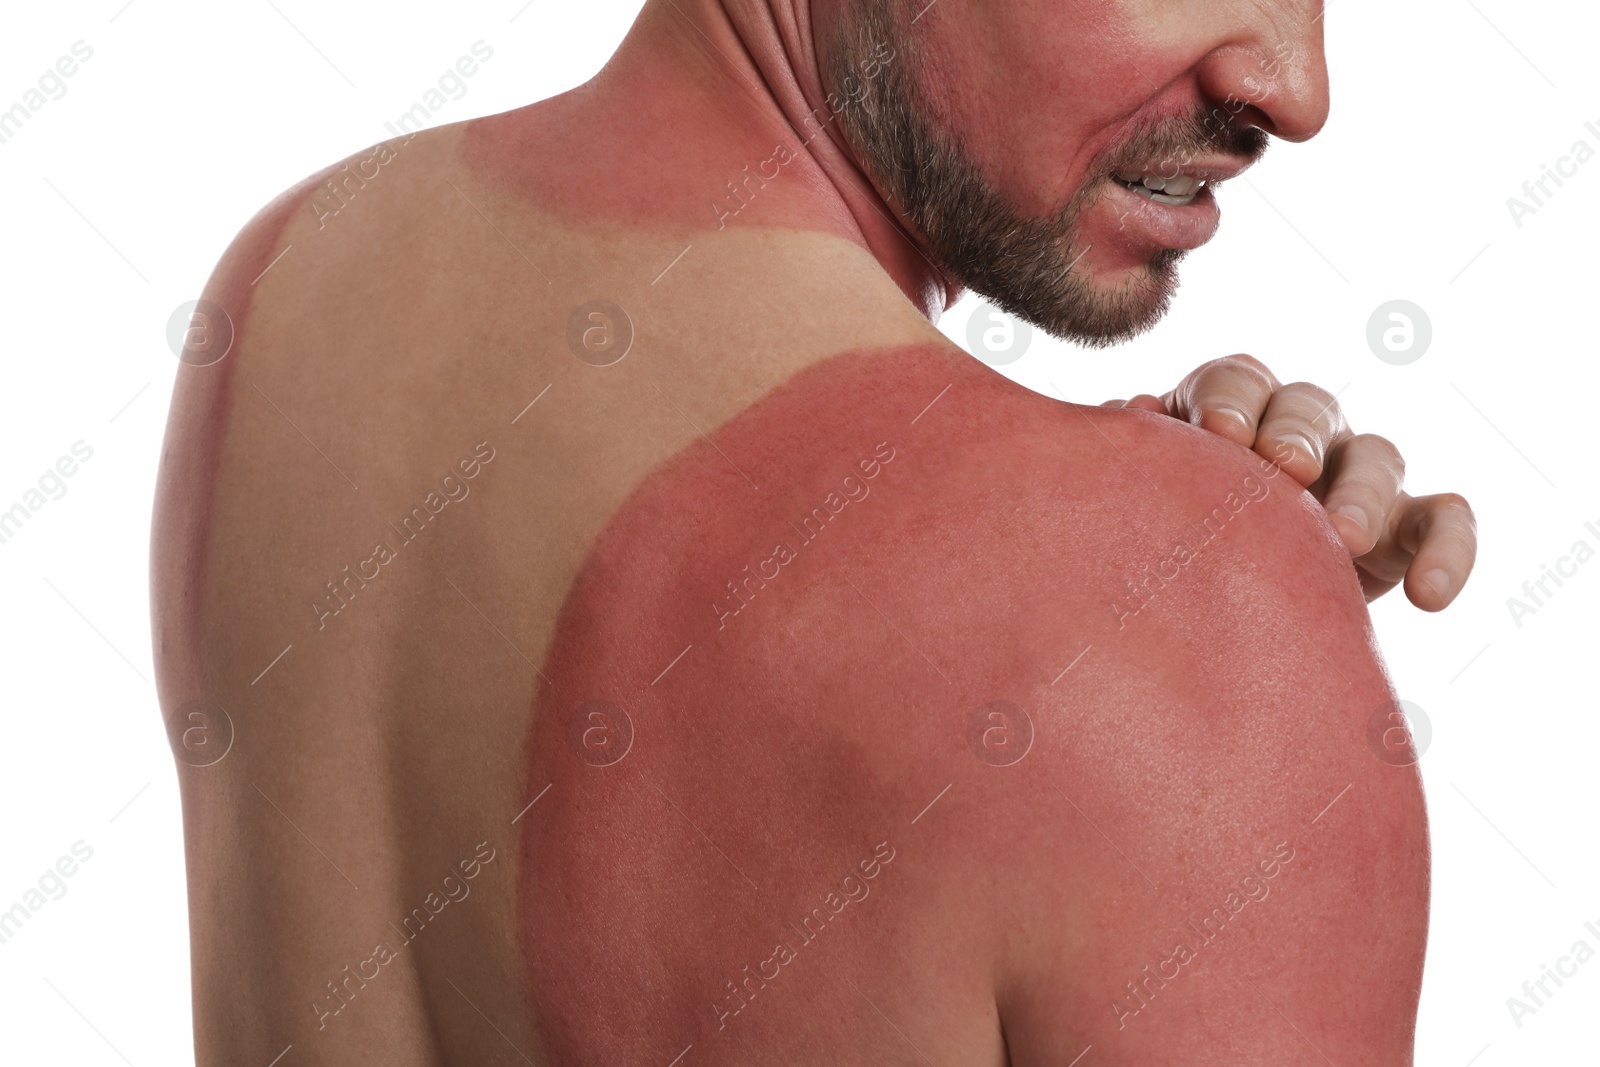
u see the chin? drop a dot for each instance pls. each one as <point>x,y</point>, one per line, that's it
<point>1105,307</point>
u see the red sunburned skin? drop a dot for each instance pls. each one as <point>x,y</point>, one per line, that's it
<point>709,764</point>
<point>657,163</point>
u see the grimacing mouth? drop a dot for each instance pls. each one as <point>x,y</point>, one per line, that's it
<point>1179,184</point>
<point>1178,191</point>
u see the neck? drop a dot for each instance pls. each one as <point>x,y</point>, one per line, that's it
<point>752,140</point>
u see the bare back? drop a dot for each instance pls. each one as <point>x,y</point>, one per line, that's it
<point>603,613</point>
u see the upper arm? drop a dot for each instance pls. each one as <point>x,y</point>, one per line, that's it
<point>195,565</point>
<point>1237,848</point>
<point>192,448</point>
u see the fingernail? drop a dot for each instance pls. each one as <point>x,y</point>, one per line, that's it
<point>1355,515</point>
<point>1439,582</point>
<point>1233,413</point>
<point>1299,444</point>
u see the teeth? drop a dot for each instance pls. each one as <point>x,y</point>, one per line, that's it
<point>1178,191</point>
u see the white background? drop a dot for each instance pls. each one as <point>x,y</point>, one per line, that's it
<point>120,196</point>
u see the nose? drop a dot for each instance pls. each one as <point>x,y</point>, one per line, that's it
<point>1273,76</point>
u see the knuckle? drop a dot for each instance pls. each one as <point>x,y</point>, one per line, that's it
<point>1448,515</point>
<point>1256,370</point>
<point>1312,393</point>
<point>1365,491</point>
<point>1377,443</point>
<point>1244,359</point>
<point>1381,448</point>
<point>1241,365</point>
<point>1316,406</point>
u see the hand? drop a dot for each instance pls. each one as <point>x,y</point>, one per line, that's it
<point>1430,542</point>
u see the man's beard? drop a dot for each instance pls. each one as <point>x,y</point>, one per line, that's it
<point>1021,263</point>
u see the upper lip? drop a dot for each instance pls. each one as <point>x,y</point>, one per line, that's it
<point>1208,169</point>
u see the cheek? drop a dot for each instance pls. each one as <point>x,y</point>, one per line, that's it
<point>1037,93</point>
<point>1034,92</point>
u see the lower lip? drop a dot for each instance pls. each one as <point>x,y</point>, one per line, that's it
<point>1138,220</point>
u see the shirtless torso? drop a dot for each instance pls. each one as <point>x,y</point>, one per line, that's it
<point>644,712</point>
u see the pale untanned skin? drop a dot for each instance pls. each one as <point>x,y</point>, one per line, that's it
<point>1209,743</point>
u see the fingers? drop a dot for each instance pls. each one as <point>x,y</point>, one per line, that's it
<point>1237,397</point>
<point>1301,426</point>
<point>1431,543</point>
<point>1445,532</point>
<point>1225,396</point>
<point>1364,476</point>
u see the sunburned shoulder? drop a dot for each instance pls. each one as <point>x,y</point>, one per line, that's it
<point>906,529</point>
<point>1127,484</point>
<point>1124,504</point>
<point>1164,549</point>
<point>919,480</point>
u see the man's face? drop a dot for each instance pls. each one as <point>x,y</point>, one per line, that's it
<point>1058,155</point>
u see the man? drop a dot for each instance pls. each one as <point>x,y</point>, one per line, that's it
<point>601,620</point>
